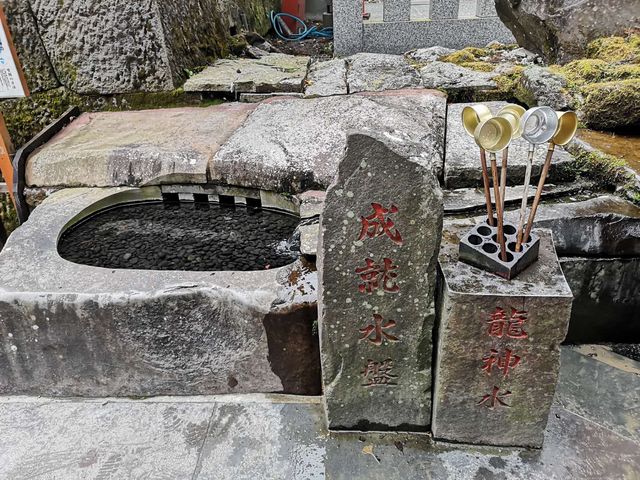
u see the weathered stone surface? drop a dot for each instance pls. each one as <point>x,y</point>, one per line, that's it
<point>607,303</point>
<point>259,97</point>
<point>469,199</point>
<point>482,395</point>
<point>605,226</point>
<point>295,145</point>
<point>560,30</point>
<point>327,78</point>
<point>542,87</point>
<point>520,56</point>
<point>275,72</point>
<point>426,55</point>
<point>309,239</point>
<point>462,162</point>
<point>76,330</point>
<point>454,77</point>
<point>136,148</point>
<point>376,334</point>
<point>31,52</point>
<point>374,72</point>
<point>311,203</point>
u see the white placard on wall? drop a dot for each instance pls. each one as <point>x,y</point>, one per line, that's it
<point>11,78</point>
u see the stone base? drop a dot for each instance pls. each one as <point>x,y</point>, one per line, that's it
<point>498,348</point>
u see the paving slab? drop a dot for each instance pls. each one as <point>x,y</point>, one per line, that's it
<point>327,78</point>
<point>275,72</point>
<point>375,72</point>
<point>585,389</point>
<point>295,145</point>
<point>275,437</point>
<point>462,162</point>
<point>147,147</point>
<point>76,440</point>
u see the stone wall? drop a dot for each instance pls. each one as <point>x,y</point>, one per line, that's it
<point>118,46</point>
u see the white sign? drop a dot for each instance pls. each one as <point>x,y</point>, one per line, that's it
<point>10,80</point>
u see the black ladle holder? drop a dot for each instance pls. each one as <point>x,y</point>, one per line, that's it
<point>480,247</point>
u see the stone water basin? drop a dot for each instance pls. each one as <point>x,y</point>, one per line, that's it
<point>72,329</point>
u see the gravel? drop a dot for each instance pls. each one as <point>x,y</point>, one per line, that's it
<point>183,236</point>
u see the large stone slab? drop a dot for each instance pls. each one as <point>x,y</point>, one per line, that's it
<point>275,72</point>
<point>498,348</point>
<point>295,145</point>
<point>75,330</point>
<point>375,72</point>
<point>462,162</point>
<point>605,226</point>
<point>136,148</point>
<point>377,258</point>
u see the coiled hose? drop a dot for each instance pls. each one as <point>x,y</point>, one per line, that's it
<point>303,31</point>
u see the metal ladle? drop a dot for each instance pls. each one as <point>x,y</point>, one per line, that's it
<point>567,125</point>
<point>494,135</point>
<point>472,117</point>
<point>539,125</point>
<point>513,113</point>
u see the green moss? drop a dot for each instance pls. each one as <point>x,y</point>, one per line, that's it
<point>479,66</point>
<point>606,170</point>
<point>461,56</point>
<point>616,49</point>
<point>237,44</point>
<point>612,105</point>
<point>8,215</point>
<point>584,71</point>
<point>624,72</point>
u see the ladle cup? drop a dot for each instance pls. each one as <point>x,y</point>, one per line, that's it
<point>539,125</point>
<point>493,135</point>
<point>513,114</point>
<point>472,116</point>
<point>567,125</point>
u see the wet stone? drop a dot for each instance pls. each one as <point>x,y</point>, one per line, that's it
<point>182,236</point>
<point>498,348</point>
<point>380,234</point>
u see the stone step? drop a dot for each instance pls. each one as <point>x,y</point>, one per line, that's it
<point>275,72</point>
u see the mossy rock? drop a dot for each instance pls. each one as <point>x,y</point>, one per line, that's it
<point>612,105</point>
<point>459,57</point>
<point>479,66</point>
<point>616,49</point>
<point>579,72</point>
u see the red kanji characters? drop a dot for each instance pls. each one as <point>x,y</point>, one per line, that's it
<point>378,224</point>
<point>495,398</point>
<point>505,362</point>
<point>379,330</point>
<point>378,373</point>
<point>514,324</point>
<point>372,272</point>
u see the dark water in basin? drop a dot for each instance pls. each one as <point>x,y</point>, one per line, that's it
<point>184,236</point>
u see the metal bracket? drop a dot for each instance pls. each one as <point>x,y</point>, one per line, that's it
<point>21,156</point>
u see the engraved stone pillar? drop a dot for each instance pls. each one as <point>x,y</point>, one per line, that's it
<point>347,27</point>
<point>443,9</point>
<point>381,229</point>
<point>486,8</point>
<point>396,10</point>
<point>498,348</point>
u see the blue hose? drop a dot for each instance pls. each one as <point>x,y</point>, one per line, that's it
<point>303,31</point>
